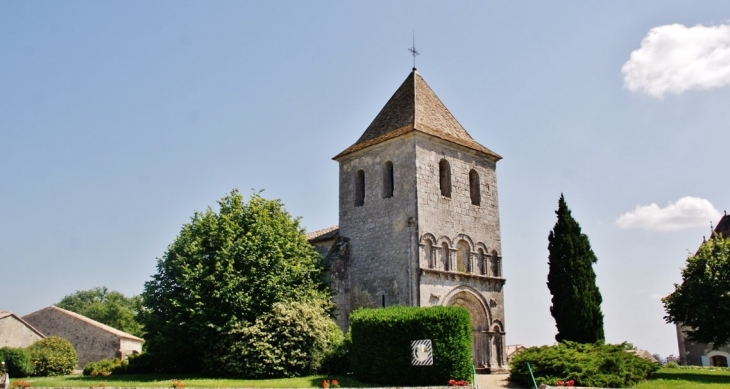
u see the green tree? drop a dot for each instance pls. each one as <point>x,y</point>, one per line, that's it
<point>109,307</point>
<point>702,301</point>
<point>572,281</point>
<point>223,271</point>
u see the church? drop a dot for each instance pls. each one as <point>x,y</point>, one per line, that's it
<point>419,220</point>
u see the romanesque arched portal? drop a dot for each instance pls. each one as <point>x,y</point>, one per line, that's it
<point>480,320</point>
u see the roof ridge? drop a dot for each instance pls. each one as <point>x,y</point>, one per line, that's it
<point>91,321</point>
<point>4,314</point>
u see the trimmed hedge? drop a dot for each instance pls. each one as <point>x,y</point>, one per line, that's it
<point>52,356</point>
<point>17,361</point>
<point>381,344</point>
<point>597,365</point>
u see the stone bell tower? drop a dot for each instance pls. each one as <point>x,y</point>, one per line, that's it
<point>419,219</point>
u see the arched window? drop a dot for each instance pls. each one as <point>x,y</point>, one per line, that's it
<point>388,184</point>
<point>445,178</point>
<point>445,256</point>
<point>428,254</point>
<point>359,188</point>
<point>496,268</point>
<point>463,257</point>
<point>474,191</point>
<point>480,262</point>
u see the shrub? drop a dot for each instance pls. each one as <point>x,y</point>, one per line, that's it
<point>52,356</point>
<point>17,361</point>
<point>598,365</point>
<point>672,365</point>
<point>291,340</point>
<point>105,367</point>
<point>381,344</point>
<point>337,359</point>
<point>139,364</point>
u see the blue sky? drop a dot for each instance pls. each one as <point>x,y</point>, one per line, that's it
<point>118,120</point>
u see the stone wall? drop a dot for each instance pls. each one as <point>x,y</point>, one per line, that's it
<point>91,342</point>
<point>381,230</point>
<point>698,354</point>
<point>15,333</point>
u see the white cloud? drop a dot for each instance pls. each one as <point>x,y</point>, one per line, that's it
<point>675,58</point>
<point>687,212</point>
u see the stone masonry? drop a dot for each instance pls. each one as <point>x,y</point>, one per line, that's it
<point>419,220</point>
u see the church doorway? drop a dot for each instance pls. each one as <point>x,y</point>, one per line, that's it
<point>719,360</point>
<point>483,352</point>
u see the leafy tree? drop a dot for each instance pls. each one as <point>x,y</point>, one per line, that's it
<point>702,301</point>
<point>572,282</point>
<point>109,307</point>
<point>223,271</point>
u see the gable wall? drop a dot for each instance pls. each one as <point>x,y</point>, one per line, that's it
<point>91,343</point>
<point>14,333</point>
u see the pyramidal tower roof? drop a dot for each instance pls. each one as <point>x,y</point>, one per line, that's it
<point>414,107</point>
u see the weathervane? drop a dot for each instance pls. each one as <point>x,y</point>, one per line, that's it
<point>413,51</point>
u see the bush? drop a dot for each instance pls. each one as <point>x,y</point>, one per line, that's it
<point>17,361</point>
<point>598,365</point>
<point>381,344</point>
<point>105,367</point>
<point>337,360</point>
<point>52,356</point>
<point>140,364</point>
<point>291,340</point>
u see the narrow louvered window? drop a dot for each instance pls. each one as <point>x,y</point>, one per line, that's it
<point>474,191</point>
<point>388,184</point>
<point>359,188</point>
<point>445,178</point>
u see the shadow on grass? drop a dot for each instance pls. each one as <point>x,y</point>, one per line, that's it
<point>693,376</point>
<point>344,382</point>
<point>137,377</point>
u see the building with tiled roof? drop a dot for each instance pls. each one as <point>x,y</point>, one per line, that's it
<point>92,340</point>
<point>16,332</point>
<point>419,219</point>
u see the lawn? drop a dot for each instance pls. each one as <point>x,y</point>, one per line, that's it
<point>165,381</point>
<point>687,379</point>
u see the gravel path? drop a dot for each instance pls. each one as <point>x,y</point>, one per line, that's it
<point>496,381</point>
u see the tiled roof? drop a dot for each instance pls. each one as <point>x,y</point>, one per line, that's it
<point>415,107</point>
<point>92,322</point>
<point>323,234</point>
<point>723,226</point>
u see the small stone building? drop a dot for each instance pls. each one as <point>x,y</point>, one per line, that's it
<point>92,340</point>
<point>419,220</point>
<point>699,354</point>
<point>16,332</point>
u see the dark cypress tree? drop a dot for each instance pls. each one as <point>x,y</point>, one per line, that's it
<point>572,282</point>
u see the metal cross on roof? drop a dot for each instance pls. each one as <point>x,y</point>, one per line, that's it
<point>413,51</point>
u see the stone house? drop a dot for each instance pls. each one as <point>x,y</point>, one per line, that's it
<point>92,340</point>
<point>699,354</point>
<point>419,220</point>
<point>16,332</point>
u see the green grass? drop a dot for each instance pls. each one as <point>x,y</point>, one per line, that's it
<point>164,381</point>
<point>687,379</point>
